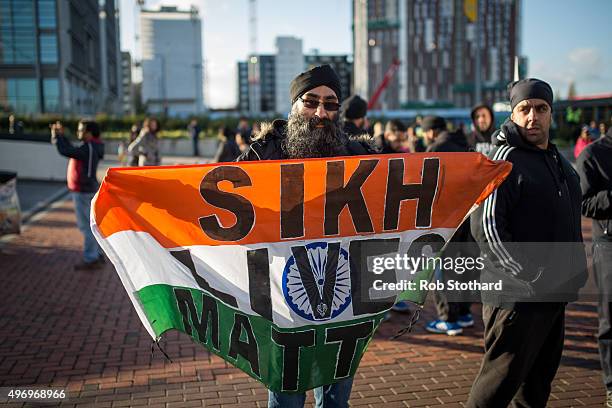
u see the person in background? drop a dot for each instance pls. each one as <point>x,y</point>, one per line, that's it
<point>594,130</point>
<point>395,137</point>
<point>583,140</point>
<point>415,143</point>
<point>245,130</point>
<point>394,140</point>
<point>122,154</point>
<point>418,130</point>
<point>242,145</point>
<point>228,149</point>
<point>146,145</point>
<point>602,129</point>
<point>594,165</point>
<point>82,182</point>
<point>453,316</point>
<point>378,132</point>
<point>353,113</point>
<point>432,127</point>
<point>483,123</point>
<point>15,126</point>
<point>194,132</point>
<point>439,139</point>
<point>131,159</point>
<point>254,131</point>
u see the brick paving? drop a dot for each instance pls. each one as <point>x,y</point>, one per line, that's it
<point>80,331</point>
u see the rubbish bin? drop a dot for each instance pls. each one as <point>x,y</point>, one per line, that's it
<point>10,213</point>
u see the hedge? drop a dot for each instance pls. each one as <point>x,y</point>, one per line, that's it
<point>118,127</point>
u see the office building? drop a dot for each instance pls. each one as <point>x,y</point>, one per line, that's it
<point>436,43</point>
<point>59,57</point>
<point>172,81</point>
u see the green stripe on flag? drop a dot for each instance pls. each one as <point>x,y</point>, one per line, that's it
<point>327,353</point>
<point>417,296</point>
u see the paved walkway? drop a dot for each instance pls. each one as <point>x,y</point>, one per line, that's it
<point>80,331</point>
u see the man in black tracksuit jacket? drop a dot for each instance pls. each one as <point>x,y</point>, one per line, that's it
<point>595,168</point>
<point>529,231</point>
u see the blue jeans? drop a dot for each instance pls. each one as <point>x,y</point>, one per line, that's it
<point>82,207</point>
<point>328,396</point>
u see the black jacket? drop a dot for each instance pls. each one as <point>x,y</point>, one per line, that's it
<point>529,229</point>
<point>227,151</point>
<point>352,130</point>
<point>482,142</point>
<point>462,242</point>
<point>594,166</point>
<point>268,144</point>
<point>450,142</point>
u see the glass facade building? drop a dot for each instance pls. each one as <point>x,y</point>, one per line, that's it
<point>42,43</point>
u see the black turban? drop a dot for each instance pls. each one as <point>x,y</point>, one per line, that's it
<point>354,107</point>
<point>530,88</point>
<point>318,76</point>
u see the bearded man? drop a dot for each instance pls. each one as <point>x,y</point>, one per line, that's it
<point>313,130</point>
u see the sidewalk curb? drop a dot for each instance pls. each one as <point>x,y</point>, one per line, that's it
<point>28,216</point>
<point>42,205</point>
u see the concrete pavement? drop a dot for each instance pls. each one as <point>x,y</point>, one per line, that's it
<point>80,331</point>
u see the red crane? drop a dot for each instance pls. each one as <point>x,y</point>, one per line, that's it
<point>384,83</point>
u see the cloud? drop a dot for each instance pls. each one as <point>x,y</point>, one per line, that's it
<point>586,67</point>
<point>222,84</point>
<point>581,55</point>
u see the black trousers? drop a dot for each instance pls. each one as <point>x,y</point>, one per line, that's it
<point>602,267</point>
<point>449,311</point>
<point>452,304</point>
<point>523,349</point>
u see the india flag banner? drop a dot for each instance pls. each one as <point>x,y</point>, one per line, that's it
<point>266,263</point>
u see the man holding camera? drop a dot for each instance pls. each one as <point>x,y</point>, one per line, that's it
<point>82,182</point>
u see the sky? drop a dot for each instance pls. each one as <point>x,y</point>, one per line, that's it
<point>564,40</point>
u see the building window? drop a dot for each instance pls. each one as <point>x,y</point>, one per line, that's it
<point>19,95</point>
<point>51,94</point>
<point>48,48</point>
<point>17,32</point>
<point>46,14</point>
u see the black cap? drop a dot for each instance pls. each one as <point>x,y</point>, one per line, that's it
<point>317,76</point>
<point>433,122</point>
<point>530,88</point>
<point>354,107</point>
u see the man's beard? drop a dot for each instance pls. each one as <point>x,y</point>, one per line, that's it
<point>306,140</point>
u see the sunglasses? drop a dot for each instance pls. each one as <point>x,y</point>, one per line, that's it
<point>314,104</point>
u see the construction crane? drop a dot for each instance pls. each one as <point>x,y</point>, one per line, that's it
<point>253,27</point>
<point>253,67</point>
<point>384,83</point>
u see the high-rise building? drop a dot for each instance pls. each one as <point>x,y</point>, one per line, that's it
<point>127,88</point>
<point>256,84</point>
<point>243,86</point>
<point>172,75</point>
<point>340,63</point>
<point>258,81</point>
<point>437,45</point>
<point>289,63</point>
<point>59,57</point>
